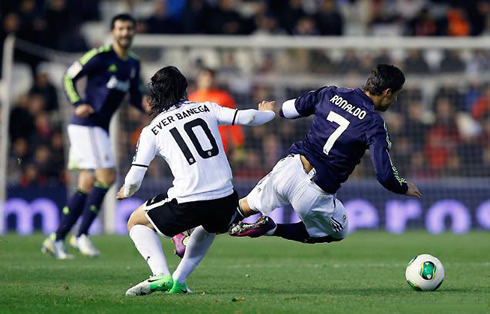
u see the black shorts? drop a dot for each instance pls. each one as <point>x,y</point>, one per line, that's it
<point>171,218</point>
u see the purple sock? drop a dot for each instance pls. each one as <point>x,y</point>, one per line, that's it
<point>92,206</point>
<point>70,215</point>
<point>297,232</point>
<point>294,232</point>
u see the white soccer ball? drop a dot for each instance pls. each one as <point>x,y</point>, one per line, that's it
<point>424,273</point>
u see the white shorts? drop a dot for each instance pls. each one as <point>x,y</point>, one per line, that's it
<point>288,183</point>
<point>90,148</point>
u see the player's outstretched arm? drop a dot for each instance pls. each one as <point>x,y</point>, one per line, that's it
<point>413,190</point>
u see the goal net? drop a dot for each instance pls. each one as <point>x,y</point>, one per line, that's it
<point>440,126</point>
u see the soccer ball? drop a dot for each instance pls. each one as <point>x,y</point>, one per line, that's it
<point>424,273</point>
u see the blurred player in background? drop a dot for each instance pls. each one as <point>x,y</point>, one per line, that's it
<point>112,71</point>
<point>345,124</point>
<point>186,135</point>
<point>232,135</point>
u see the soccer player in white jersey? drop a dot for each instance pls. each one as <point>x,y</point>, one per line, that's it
<point>186,135</point>
<point>345,124</point>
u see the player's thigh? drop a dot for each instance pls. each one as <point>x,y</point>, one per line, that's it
<point>170,218</point>
<point>90,148</point>
<point>271,191</point>
<point>339,217</point>
<point>322,214</point>
<point>220,213</point>
<point>138,217</point>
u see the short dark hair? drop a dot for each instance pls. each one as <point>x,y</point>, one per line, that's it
<point>384,76</point>
<point>122,17</point>
<point>168,87</point>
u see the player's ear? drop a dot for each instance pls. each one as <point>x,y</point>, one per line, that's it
<point>387,92</point>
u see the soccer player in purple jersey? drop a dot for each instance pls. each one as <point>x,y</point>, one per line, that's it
<point>112,72</point>
<point>346,122</point>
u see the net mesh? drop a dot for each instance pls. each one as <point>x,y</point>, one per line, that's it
<point>440,127</point>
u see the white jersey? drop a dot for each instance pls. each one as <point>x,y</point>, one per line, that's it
<point>188,139</point>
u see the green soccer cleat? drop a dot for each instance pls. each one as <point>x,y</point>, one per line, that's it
<point>161,283</point>
<point>179,288</point>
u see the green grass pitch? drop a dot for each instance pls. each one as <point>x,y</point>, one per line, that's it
<point>363,274</point>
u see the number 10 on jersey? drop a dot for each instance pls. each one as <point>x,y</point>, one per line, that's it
<point>188,128</point>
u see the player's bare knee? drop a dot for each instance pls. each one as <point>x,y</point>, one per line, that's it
<point>86,181</point>
<point>138,217</point>
<point>106,176</point>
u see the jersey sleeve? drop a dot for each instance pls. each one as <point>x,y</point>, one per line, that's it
<point>379,148</point>
<point>145,152</point>
<point>145,149</point>
<point>85,65</point>
<point>288,110</point>
<point>306,103</point>
<point>135,90</point>
<point>252,117</point>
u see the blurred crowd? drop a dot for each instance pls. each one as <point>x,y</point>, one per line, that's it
<point>444,133</point>
<point>36,137</point>
<point>58,24</point>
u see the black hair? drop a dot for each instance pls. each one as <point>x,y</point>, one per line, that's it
<point>167,88</point>
<point>122,17</point>
<point>384,76</point>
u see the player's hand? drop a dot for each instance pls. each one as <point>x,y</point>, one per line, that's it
<point>413,190</point>
<point>84,110</point>
<point>120,193</point>
<point>267,105</point>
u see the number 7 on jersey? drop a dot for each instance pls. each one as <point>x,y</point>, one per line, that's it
<point>343,124</point>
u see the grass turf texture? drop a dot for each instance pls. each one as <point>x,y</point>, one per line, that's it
<point>363,274</point>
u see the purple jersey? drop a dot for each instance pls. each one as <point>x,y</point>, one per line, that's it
<point>345,124</point>
<point>109,79</point>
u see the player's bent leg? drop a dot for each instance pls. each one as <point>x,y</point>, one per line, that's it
<point>162,283</point>
<point>104,179</point>
<point>180,241</point>
<point>138,217</point>
<point>199,243</point>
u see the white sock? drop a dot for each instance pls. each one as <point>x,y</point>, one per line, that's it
<point>198,245</point>
<point>147,243</point>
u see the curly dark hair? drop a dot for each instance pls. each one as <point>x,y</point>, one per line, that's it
<point>384,76</point>
<point>167,88</point>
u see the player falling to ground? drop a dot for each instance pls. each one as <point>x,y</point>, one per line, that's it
<point>112,71</point>
<point>186,135</point>
<point>345,124</point>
